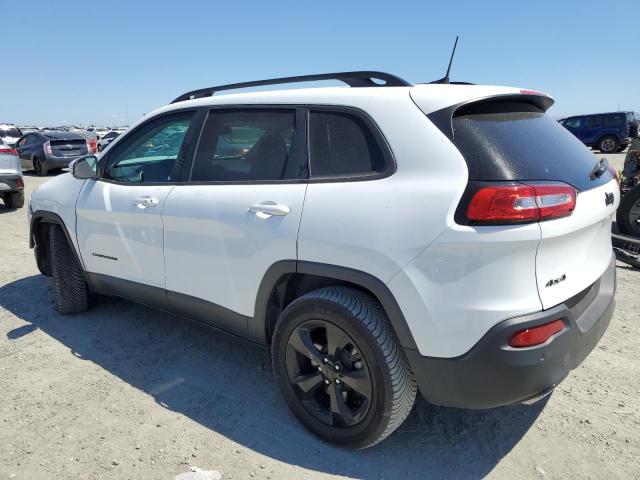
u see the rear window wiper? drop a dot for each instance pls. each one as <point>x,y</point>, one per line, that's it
<point>601,166</point>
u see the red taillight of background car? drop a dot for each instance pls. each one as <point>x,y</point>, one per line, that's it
<point>8,151</point>
<point>536,335</point>
<point>47,148</point>
<point>519,203</point>
<point>20,183</point>
<point>92,145</point>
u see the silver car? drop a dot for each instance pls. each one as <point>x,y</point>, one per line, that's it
<point>11,181</point>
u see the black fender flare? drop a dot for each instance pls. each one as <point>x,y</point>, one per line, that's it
<point>258,330</point>
<point>44,216</point>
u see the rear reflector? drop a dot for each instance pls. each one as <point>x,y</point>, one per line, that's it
<point>519,203</point>
<point>536,335</point>
<point>8,151</point>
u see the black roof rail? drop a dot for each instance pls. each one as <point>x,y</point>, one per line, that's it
<point>353,79</point>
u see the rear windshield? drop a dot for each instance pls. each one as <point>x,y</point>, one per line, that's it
<point>520,142</point>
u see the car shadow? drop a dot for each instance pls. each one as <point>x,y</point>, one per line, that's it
<point>228,387</point>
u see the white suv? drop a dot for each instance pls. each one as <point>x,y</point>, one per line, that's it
<point>377,239</point>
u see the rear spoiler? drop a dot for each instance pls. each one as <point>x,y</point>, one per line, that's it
<point>535,101</point>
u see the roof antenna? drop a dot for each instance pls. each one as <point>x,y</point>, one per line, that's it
<point>445,79</point>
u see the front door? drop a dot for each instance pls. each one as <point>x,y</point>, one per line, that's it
<point>119,216</point>
<point>239,214</point>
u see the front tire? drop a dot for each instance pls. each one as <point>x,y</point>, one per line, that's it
<point>14,199</point>
<point>340,367</point>
<point>71,291</point>
<point>608,144</point>
<point>628,213</point>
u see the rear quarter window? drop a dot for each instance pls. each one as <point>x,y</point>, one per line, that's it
<point>343,144</point>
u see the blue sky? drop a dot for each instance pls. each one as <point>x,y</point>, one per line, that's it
<point>101,62</point>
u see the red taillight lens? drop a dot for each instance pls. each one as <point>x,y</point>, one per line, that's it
<point>8,151</point>
<point>615,173</point>
<point>20,183</point>
<point>536,335</point>
<point>47,148</point>
<point>92,146</point>
<point>521,203</point>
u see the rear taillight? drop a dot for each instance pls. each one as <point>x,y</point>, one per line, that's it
<point>536,335</point>
<point>519,203</point>
<point>614,172</point>
<point>92,146</point>
<point>20,183</point>
<point>8,151</point>
<point>47,148</point>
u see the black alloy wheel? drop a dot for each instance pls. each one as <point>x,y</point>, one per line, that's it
<point>331,377</point>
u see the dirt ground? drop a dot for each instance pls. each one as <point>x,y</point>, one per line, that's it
<point>126,392</point>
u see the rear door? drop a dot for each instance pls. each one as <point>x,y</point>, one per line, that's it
<point>240,212</point>
<point>512,142</point>
<point>591,129</point>
<point>24,148</point>
<point>119,216</point>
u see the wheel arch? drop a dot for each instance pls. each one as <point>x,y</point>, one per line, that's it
<point>39,227</point>
<point>286,280</point>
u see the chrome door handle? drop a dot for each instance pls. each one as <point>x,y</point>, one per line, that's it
<point>144,202</point>
<point>270,209</point>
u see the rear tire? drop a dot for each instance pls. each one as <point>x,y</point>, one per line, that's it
<point>14,199</point>
<point>40,167</point>
<point>354,391</point>
<point>71,291</point>
<point>628,214</point>
<point>608,144</point>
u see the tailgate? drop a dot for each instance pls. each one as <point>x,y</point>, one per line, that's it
<point>575,251</point>
<point>9,165</point>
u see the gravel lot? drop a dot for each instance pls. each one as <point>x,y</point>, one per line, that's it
<point>124,391</point>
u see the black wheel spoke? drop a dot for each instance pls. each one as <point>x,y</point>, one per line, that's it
<point>357,380</point>
<point>301,341</point>
<point>339,410</point>
<point>308,383</point>
<point>336,338</point>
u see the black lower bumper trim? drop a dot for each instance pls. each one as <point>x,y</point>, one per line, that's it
<point>12,181</point>
<point>494,374</point>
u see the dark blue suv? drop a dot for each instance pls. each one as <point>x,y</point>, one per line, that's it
<point>607,132</point>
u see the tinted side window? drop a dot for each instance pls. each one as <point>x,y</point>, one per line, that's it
<point>342,144</point>
<point>247,145</point>
<point>572,122</point>
<point>593,121</point>
<point>615,120</point>
<point>149,154</point>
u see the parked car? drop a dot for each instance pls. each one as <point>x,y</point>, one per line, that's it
<point>11,181</point>
<point>476,266</point>
<point>607,132</point>
<point>9,133</point>
<point>51,150</point>
<point>106,139</point>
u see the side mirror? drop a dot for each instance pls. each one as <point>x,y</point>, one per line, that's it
<point>85,168</point>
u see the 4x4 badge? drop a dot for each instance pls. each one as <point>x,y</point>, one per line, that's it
<point>555,281</point>
<point>608,198</point>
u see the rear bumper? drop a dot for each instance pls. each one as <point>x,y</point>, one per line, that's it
<point>493,374</point>
<point>9,183</point>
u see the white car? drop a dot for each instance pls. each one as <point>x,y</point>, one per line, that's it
<point>9,133</point>
<point>106,139</point>
<point>376,238</point>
